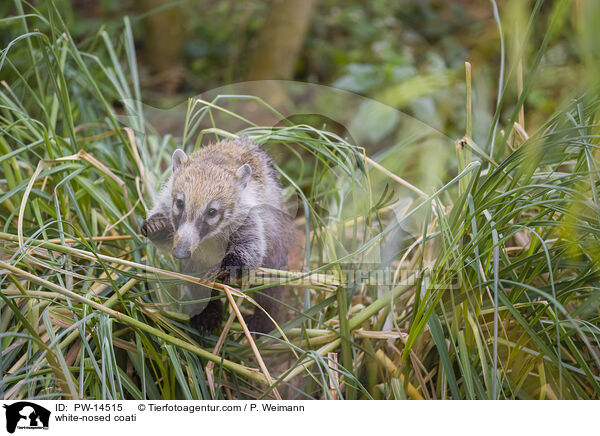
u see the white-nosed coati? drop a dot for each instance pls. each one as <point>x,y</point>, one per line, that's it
<point>222,208</point>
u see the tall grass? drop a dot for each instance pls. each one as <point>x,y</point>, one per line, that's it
<point>494,273</point>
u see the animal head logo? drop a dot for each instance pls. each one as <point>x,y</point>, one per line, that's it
<point>26,415</point>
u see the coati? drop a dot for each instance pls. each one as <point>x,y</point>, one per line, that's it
<point>222,210</point>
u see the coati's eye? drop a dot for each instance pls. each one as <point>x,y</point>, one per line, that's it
<point>179,203</point>
<point>211,212</point>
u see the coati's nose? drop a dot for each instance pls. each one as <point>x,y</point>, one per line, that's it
<point>181,252</point>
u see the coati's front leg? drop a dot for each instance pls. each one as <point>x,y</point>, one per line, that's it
<point>159,229</point>
<point>158,226</point>
<point>247,251</point>
<point>237,261</point>
<point>211,317</point>
<point>234,266</point>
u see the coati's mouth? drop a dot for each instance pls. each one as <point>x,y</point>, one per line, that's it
<point>182,252</point>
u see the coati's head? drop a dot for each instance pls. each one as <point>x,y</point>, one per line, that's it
<point>205,199</point>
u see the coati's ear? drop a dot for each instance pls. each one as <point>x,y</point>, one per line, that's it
<point>243,175</point>
<point>179,157</point>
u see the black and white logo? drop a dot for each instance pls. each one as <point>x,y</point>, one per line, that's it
<point>26,415</point>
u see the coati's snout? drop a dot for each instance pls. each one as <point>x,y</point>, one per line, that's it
<point>182,251</point>
<point>185,241</point>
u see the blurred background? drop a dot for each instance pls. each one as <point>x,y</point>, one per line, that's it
<point>408,54</point>
<point>514,202</point>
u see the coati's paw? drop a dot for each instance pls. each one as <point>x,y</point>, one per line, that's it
<point>231,268</point>
<point>209,319</point>
<point>155,225</point>
<point>259,323</point>
<point>213,274</point>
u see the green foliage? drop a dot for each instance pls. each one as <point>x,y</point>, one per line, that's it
<point>494,286</point>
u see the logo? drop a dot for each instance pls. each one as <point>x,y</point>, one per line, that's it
<point>26,415</point>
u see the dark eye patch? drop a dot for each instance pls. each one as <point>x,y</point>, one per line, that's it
<point>178,219</point>
<point>179,203</point>
<point>203,227</point>
<point>202,224</point>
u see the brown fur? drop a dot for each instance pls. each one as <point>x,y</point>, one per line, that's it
<point>210,172</point>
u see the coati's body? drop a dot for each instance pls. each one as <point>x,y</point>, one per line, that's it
<point>222,209</point>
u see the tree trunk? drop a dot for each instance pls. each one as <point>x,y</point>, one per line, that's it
<point>280,39</point>
<point>163,43</point>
